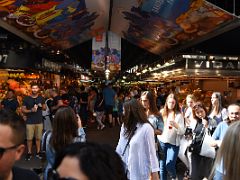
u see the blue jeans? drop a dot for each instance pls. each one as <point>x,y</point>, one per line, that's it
<point>168,164</point>
<point>218,175</point>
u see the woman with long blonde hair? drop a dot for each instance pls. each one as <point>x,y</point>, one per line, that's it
<point>228,155</point>
<point>173,130</point>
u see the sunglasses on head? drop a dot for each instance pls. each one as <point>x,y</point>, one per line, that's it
<point>3,150</point>
<point>197,106</point>
<point>53,175</point>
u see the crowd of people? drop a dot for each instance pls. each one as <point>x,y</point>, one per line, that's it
<point>155,132</point>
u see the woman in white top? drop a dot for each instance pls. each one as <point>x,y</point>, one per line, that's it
<point>188,115</point>
<point>139,155</point>
<point>190,123</point>
<point>170,139</point>
<point>217,112</point>
<point>148,100</point>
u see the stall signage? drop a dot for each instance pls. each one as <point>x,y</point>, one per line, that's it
<point>3,58</point>
<point>214,64</point>
<point>51,66</point>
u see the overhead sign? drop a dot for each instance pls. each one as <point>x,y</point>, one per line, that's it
<point>98,53</point>
<point>114,54</point>
<point>3,58</point>
<point>160,25</point>
<point>12,59</point>
<point>103,58</point>
<point>214,64</point>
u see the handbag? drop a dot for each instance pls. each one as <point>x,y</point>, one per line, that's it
<point>196,144</point>
<point>207,150</point>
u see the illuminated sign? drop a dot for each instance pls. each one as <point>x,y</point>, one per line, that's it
<point>214,64</point>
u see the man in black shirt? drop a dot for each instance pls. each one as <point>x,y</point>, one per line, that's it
<point>57,101</point>
<point>83,105</point>
<point>12,135</point>
<point>10,102</point>
<point>32,107</point>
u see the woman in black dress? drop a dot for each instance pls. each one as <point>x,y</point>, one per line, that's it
<point>201,166</point>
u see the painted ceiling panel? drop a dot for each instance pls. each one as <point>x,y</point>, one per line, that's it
<point>161,25</point>
<point>57,23</point>
<point>155,25</point>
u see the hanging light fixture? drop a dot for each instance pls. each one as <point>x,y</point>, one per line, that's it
<point>107,73</point>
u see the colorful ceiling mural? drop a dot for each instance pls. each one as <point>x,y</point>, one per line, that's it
<point>57,23</point>
<point>161,25</point>
<point>155,25</point>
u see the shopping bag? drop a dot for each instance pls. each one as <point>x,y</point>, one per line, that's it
<point>207,150</point>
<point>184,143</point>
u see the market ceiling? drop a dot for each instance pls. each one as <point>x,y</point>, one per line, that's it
<point>149,33</point>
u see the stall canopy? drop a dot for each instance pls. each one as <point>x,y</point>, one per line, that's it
<point>157,26</point>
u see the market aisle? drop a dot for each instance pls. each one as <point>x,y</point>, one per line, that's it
<point>107,136</point>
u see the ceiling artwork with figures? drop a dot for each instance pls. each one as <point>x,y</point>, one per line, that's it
<point>155,25</point>
<point>57,23</point>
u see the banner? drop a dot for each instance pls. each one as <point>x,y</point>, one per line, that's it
<point>98,53</point>
<point>114,54</point>
<point>161,25</point>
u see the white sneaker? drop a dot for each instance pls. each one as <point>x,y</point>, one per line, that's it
<point>102,127</point>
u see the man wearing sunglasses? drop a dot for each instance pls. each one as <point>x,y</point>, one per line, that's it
<point>12,135</point>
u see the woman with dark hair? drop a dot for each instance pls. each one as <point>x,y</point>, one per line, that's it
<point>88,161</point>
<point>173,130</point>
<point>99,109</point>
<point>217,111</point>
<point>201,166</point>
<point>148,100</point>
<point>67,129</point>
<point>136,144</point>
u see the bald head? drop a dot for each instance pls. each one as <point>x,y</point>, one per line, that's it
<point>234,112</point>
